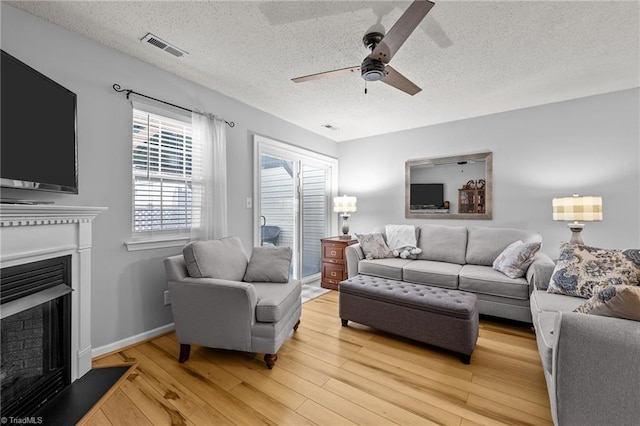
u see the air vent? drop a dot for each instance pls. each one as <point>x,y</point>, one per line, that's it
<point>329,126</point>
<point>161,44</point>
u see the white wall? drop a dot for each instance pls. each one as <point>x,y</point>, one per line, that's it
<point>127,288</point>
<point>588,146</point>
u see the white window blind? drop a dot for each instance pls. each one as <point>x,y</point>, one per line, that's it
<point>166,175</point>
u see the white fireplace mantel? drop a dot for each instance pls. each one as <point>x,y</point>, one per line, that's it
<point>29,233</point>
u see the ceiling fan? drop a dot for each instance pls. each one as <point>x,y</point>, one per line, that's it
<point>374,67</point>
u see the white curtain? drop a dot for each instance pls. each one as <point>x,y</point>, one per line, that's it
<point>209,136</point>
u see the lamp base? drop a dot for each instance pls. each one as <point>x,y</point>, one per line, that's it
<point>345,227</point>
<point>576,233</point>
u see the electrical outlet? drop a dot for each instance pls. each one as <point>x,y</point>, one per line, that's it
<point>167,300</point>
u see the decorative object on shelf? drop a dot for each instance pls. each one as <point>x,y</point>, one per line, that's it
<point>577,208</point>
<point>345,206</point>
<point>471,197</point>
<point>470,185</point>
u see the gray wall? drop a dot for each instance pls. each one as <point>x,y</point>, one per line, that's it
<point>127,286</point>
<point>588,146</point>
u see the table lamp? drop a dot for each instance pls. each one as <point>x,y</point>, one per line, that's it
<point>345,206</point>
<point>577,208</point>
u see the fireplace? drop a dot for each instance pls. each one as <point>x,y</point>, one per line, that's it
<point>35,334</point>
<point>34,233</point>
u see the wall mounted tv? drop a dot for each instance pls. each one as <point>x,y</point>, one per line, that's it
<point>38,144</point>
<point>426,196</point>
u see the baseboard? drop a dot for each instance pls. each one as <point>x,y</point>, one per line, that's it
<point>129,341</point>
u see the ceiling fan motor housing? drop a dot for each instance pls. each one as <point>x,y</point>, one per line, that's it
<point>372,69</point>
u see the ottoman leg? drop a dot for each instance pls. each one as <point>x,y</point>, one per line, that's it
<point>344,322</point>
<point>466,359</point>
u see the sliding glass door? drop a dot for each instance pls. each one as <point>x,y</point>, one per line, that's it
<point>292,192</point>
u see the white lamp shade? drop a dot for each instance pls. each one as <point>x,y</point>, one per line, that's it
<point>344,204</point>
<point>577,208</point>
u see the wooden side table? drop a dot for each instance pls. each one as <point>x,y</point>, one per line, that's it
<point>334,261</point>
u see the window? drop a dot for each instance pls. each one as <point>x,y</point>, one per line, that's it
<point>165,176</point>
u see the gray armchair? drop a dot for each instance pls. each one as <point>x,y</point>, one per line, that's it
<point>225,312</point>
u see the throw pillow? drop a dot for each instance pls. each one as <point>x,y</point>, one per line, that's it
<point>223,259</point>
<point>373,246</point>
<point>618,301</point>
<point>580,269</point>
<point>516,258</point>
<point>269,265</point>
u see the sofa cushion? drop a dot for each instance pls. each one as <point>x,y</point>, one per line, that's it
<point>516,258</point>
<point>438,274</point>
<point>580,269</point>
<point>486,280</point>
<point>485,244</point>
<point>276,300</point>
<point>269,264</point>
<point>223,259</point>
<point>618,301</point>
<point>373,246</point>
<point>442,243</point>
<point>546,338</point>
<point>385,268</point>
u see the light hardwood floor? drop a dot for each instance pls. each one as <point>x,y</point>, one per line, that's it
<point>327,374</point>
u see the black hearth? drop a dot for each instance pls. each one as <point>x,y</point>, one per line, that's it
<point>35,333</point>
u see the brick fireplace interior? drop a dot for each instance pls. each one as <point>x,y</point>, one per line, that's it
<point>35,334</point>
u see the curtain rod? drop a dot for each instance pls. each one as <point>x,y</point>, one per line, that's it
<point>130,92</point>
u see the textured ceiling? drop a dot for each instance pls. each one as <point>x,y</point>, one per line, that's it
<point>470,58</point>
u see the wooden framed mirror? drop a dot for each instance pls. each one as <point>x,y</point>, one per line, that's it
<point>456,187</point>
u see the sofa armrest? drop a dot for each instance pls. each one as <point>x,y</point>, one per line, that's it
<point>353,255</point>
<point>213,312</point>
<point>540,271</point>
<point>596,372</point>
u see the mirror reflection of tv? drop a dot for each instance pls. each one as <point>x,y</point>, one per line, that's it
<point>426,196</point>
<point>38,142</point>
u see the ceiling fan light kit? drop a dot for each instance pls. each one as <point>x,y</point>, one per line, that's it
<point>383,47</point>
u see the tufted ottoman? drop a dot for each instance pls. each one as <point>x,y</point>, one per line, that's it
<point>437,316</point>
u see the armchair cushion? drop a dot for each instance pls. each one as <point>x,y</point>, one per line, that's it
<point>275,301</point>
<point>269,264</point>
<point>222,259</point>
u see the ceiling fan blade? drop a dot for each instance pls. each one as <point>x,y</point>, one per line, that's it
<point>326,74</point>
<point>401,30</point>
<point>399,81</point>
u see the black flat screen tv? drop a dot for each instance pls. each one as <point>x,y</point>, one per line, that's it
<point>426,196</point>
<point>38,130</point>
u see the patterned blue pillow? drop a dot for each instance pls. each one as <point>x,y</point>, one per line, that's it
<point>580,269</point>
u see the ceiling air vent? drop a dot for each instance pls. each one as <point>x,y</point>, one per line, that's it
<point>161,44</point>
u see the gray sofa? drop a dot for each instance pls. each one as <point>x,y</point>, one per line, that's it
<point>590,362</point>
<point>460,257</point>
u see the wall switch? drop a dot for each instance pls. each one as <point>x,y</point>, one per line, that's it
<point>167,300</point>
<point>249,202</point>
